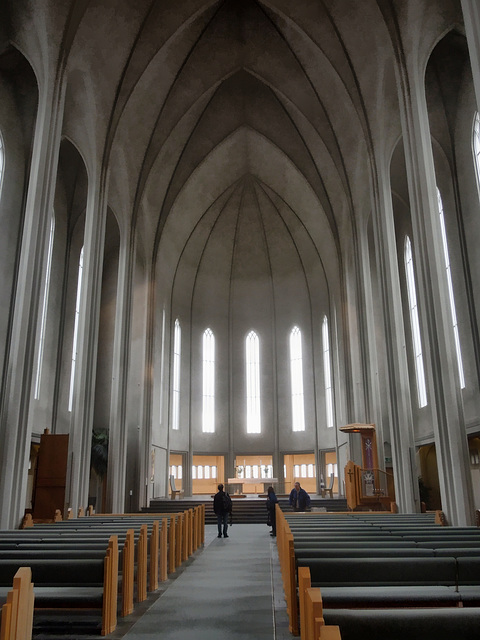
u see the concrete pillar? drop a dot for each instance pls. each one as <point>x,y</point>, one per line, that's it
<point>399,391</point>
<point>86,366</point>
<point>14,411</point>
<point>117,446</point>
<point>444,393</point>
<point>471,17</point>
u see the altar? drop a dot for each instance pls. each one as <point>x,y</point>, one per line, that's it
<point>239,485</point>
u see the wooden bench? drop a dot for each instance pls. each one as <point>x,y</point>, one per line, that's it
<point>72,584</point>
<point>398,624</point>
<point>17,611</point>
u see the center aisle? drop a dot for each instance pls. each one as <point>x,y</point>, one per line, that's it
<point>232,589</point>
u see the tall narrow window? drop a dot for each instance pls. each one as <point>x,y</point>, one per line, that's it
<point>43,318</point>
<point>75,330</point>
<point>450,292</point>
<point>2,161</point>
<point>208,422</point>
<point>415,324</point>
<point>162,366</point>
<point>296,379</point>
<point>177,343</point>
<point>327,373</point>
<point>252,369</point>
<point>476,147</point>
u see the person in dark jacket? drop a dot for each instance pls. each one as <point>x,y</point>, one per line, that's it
<point>222,507</point>
<point>271,502</point>
<point>299,498</point>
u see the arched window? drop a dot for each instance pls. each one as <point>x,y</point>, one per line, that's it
<point>296,470</point>
<point>327,373</point>
<point>296,379</point>
<point>43,318</point>
<point>476,147</point>
<point>75,330</point>
<point>194,472</point>
<point>208,418</point>
<point>415,324</point>
<point>200,472</point>
<point>2,162</point>
<point>450,292</point>
<point>252,369</point>
<point>177,341</point>
<point>214,471</point>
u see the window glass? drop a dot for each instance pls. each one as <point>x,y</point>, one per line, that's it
<point>252,361</point>
<point>476,147</point>
<point>327,373</point>
<point>177,338</point>
<point>2,161</point>
<point>415,325</point>
<point>296,379</point>
<point>208,418</point>
<point>75,330</point>
<point>43,317</point>
<point>450,292</point>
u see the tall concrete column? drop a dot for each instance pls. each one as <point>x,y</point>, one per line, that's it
<point>117,446</point>
<point>86,363</point>
<point>15,432</point>
<point>443,381</point>
<point>399,390</point>
<point>471,18</point>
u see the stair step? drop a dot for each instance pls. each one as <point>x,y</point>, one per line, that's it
<point>245,510</point>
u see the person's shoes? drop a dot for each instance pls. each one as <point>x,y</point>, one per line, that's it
<point>225,535</point>
<point>219,535</point>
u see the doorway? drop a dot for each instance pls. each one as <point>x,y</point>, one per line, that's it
<point>300,467</point>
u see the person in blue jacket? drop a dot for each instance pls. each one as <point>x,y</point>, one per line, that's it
<point>271,502</point>
<point>299,499</point>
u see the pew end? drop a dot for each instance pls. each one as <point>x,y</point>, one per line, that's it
<point>17,612</point>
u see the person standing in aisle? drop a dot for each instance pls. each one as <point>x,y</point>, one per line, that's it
<point>222,506</point>
<point>272,500</point>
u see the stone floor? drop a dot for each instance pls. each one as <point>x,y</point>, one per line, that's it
<point>231,589</point>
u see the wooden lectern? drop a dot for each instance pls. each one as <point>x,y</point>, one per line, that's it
<point>367,486</point>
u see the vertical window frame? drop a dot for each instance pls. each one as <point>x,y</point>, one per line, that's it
<point>252,381</point>
<point>177,353</point>
<point>451,296</point>
<point>415,323</point>
<point>296,380</point>
<point>75,330</point>
<point>208,382</point>
<point>327,372</point>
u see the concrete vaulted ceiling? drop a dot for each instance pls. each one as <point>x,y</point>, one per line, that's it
<point>268,105</point>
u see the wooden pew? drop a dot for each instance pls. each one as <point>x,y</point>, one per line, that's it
<point>71,584</point>
<point>73,533</point>
<point>17,612</point>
